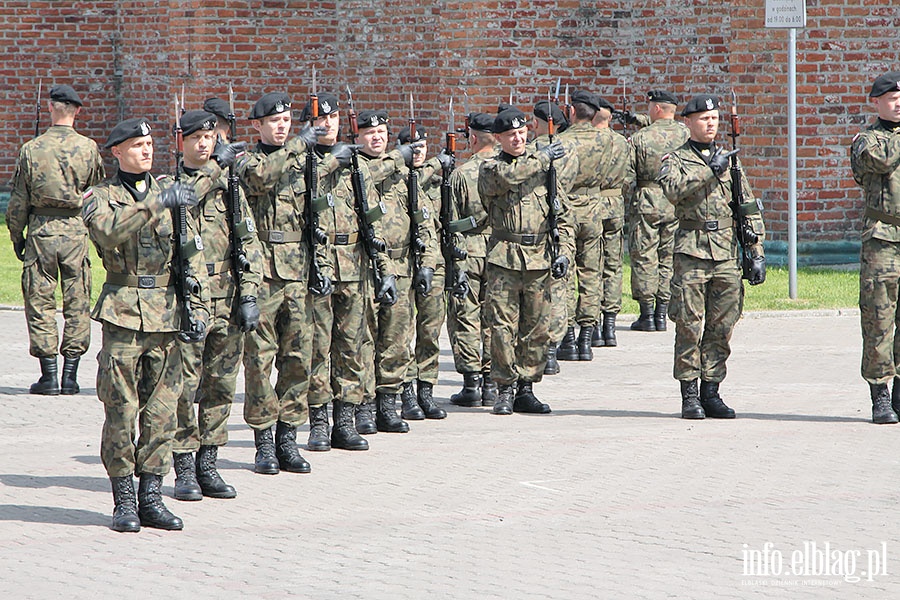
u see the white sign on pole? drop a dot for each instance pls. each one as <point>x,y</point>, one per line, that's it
<point>786,13</point>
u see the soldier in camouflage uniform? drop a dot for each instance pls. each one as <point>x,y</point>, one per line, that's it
<point>521,260</point>
<point>651,216</point>
<point>707,293</point>
<point>875,159</point>
<point>139,365</point>
<point>52,172</point>
<point>272,177</point>
<point>392,324</point>
<point>211,367</point>
<point>468,321</point>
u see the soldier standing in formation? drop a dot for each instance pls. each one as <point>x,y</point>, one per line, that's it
<point>52,172</point>
<point>139,374</point>
<point>875,159</point>
<point>707,293</point>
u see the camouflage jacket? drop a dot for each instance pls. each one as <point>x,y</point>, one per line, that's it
<point>135,239</point>
<point>648,146</point>
<point>515,190</point>
<point>617,175</point>
<point>275,185</point>
<point>700,196</point>
<point>875,158</point>
<point>602,169</point>
<point>52,172</point>
<point>464,187</point>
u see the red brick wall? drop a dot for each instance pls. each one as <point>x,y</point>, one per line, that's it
<point>130,58</point>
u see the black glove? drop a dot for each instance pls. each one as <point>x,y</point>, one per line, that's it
<point>553,151</point>
<point>626,117</point>
<point>749,235</point>
<point>225,154</point>
<point>422,280</point>
<point>196,334</point>
<point>757,270</point>
<point>560,267</point>
<point>322,287</point>
<point>19,247</point>
<point>342,152</point>
<point>718,162</point>
<point>178,194</point>
<point>446,160</point>
<point>387,293</point>
<point>408,150</point>
<point>248,314</point>
<point>310,135</point>
<point>461,285</point>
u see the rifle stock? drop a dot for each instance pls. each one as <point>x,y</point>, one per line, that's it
<point>186,282</point>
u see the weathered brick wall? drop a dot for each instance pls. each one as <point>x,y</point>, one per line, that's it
<point>129,58</point>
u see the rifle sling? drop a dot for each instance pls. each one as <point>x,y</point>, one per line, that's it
<point>874,213</point>
<point>462,225</point>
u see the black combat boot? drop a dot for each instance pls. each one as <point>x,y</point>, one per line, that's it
<point>425,398</point>
<point>151,510</point>
<point>386,418</point>
<point>344,435</point>
<point>690,401</point>
<point>552,365</point>
<point>712,403</point>
<point>286,452</point>
<point>208,476</point>
<point>504,404</point>
<point>584,343</point>
<point>319,429</point>
<point>365,421</point>
<point>597,340</point>
<point>488,391</point>
<point>409,407</point>
<point>186,486</point>
<point>895,396</point>
<point>609,330</point>
<point>125,514</point>
<point>470,394</point>
<point>527,402</point>
<point>48,384</point>
<point>68,384</point>
<point>882,413</point>
<point>645,321</point>
<point>265,461</point>
<point>567,349</point>
<point>659,315</point>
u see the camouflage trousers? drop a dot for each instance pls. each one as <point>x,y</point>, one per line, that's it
<point>341,329</point>
<point>392,329</point>
<point>559,306</point>
<point>430,311</point>
<point>651,245</point>
<point>469,323</point>
<point>707,300</point>
<point>520,304</point>
<point>210,376</point>
<point>879,284</point>
<point>284,337</point>
<point>138,379</point>
<point>583,281</point>
<point>50,261</point>
<point>613,259</point>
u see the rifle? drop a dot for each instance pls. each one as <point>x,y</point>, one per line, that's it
<point>553,206</point>
<point>185,282</point>
<point>314,204</point>
<point>365,216</point>
<point>746,237</point>
<point>37,110</point>
<point>238,228</point>
<point>452,253</point>
<point>465,128</point>
<point>416,216</point>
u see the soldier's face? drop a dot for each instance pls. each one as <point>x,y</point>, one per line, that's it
<point>889,106</point>
<point>273,129</point>
<point>419,155</point>
<point>332,124</point>
<point>135,155</point>
<point>703,126</point>
<point>197,148</point>
<point>373,140</point>
<point>513,141</point>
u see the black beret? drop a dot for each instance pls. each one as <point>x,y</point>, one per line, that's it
<point>604,103</point>
<point>503,106</point>
<point>889,82</point>
<point>372,118</point>
<point>216,106</point>
<point>328,103</point>
<point>127,129</point>
<point>701,103</point>
<point>585,97</point>
<point>194,120</point>
<point>662,96</point>
<point>403,136</point>
<point>64,93</point>
<point>272,103</point>
<point>481,122</point>
<point>543,109</point>
<point>511,118</point>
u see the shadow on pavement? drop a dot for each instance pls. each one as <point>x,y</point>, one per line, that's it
<point>54,515</point>
<point>89,484</point>
<point>740,415</point>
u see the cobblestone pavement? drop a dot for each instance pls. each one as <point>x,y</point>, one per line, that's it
<point>611,496</point>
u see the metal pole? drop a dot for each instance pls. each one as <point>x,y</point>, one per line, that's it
<point>792,165</point>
